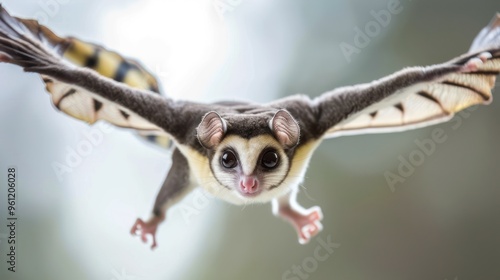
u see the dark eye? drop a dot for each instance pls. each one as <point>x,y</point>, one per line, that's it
<point>228,159</point>
<point>270,159</point>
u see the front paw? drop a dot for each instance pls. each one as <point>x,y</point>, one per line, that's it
<point>144,228</point>
<point>474,63</point>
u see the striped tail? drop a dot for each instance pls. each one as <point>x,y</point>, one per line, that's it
<point>20,41</point>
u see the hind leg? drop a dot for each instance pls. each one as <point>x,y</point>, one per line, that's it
<point>307,222</point>
<point>174,188</point>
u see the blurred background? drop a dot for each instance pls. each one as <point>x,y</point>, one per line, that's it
<point>439,223</point>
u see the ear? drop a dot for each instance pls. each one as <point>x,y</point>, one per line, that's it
<point>211,130</point>
<point>285,129</point>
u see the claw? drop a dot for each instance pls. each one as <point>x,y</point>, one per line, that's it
<point>144,228</point>
<point>474,63</point>
<point>485,56</point>
<point>306,222</point>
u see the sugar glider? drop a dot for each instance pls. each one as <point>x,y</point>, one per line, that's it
<point>244,152</point>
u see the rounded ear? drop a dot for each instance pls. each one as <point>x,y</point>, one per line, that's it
<point>285,129</point>
<point>211,130</point>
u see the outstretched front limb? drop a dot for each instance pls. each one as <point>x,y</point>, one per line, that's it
<point>176,186</point>
<point>86,94</point>
<point>307,222</point>
<point>411,98</point>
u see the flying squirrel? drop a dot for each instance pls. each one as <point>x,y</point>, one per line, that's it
<point>238,151</point>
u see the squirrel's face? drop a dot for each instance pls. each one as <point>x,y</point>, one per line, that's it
<point>249,166</point>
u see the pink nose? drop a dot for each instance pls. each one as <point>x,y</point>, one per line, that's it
<point>249,184</point>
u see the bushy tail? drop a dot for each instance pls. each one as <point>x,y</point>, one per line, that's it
<point>34,47</point>
<point>28,44</point>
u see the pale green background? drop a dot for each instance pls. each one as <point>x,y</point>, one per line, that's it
<point>441,223</point>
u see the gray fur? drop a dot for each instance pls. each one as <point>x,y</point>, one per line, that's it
<point>175,184</point>
<point>335,106</point>
<point>180,119</point>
